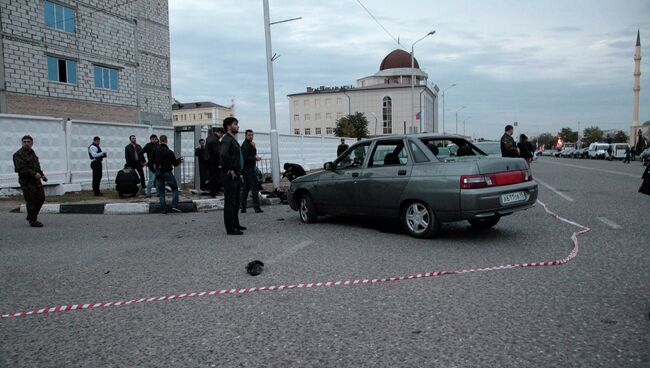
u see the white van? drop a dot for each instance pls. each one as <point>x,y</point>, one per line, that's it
<point>618,150</point>
<point>598,150</point>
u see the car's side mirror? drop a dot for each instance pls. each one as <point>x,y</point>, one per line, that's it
<point>329,166</point>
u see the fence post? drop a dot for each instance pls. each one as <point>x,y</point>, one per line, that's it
<point>302,150</point>
<point>67,131</point>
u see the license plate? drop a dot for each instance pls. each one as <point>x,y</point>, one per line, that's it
<point>514,197</point>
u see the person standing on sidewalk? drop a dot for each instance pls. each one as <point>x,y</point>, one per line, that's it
<point>508,145</point>
<point>149,149</point>
<point>627,155</point>
<point>249,152</point>
<point>526,149</point>
<point>96,158</point>
<point>29,171</point>
<point>212,150</point>
<point>341,147</point>
<point>232,162</point>
<point>202,158</point>
<point>165,163</point>
<point>133,158</point>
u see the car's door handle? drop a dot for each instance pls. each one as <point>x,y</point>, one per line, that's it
<point>401,172</point>
<point>355,175</point>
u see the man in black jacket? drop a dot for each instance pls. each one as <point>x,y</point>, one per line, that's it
<point>133,158</point>
<point>202,158</point>
<point>212,153</point>
<point>149,149</point>
<point>341,147</point>
<point>232,162</point>
<point>249,152</point>
<point>293,171</point>
<point>164,166</point>
<point>508,145</point>
<point>526,149</point>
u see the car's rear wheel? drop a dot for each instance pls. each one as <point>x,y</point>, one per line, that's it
<point>307,209</point>
<point>484,223</point>
<point>420,221</point>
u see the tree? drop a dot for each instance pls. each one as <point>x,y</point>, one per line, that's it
<point>569,135</point>
<point>640,142</point>
<point>620,137</point>
<point>353,126</point>
<point>592,135</point>
<point>546,140</point>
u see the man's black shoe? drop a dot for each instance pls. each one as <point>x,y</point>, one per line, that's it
<point>35,224</point>
<point>241,228</point>
<point>235,232</point>
<point>243,210</point>
<point>175,209</point>
<point>258,210</point>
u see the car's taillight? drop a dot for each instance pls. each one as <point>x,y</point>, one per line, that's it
<point>495,179</point>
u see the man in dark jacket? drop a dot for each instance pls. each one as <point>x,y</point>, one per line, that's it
<point>341,147</point>
<point>212,153</point>
<point>293,171</point>
<point>29,171</point>
<point>164,167</point>
<point>149,149</point>
<point>508,145</point>
<point>96,157</point>
<point>133,158</point>
<point>202,158</point>
<point>232,162</point>
<point>526,149</point>
<point>126,182</point>
<point>249,152</point>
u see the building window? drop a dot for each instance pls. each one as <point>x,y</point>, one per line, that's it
<point>328,102</point>
<point>318,131</point>
<point>339,100</point>
<point>175,117</point>
<point>329,131</point>
<point>306,102</point>
<point>193,116</point>
<point>387,115</point>
<point>296,117</point>
<point>317,102</point>
<point>339,115</point>
<point>317,116</point>
<point>208,115</point>
<point>201,116</point>
<point>296,131</point>
<point>307,117</point>
<point>105,77</point>
<point>307,131</point>
<point>61,70</point>
<point>328,116</point>
<point>59,17</point>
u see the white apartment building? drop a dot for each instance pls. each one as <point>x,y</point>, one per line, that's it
<point>384,98</point>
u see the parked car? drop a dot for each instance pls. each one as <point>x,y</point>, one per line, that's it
<point>644,156</point>
<point>598,150</point>
<point>548,152</point>
<point>557,153</point>
<point>618,150</point>
<point>413,179</point>
<point>566,152</point>
<point>581,152</point>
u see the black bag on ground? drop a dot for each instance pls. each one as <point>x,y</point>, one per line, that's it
<point>126,182</point>
<point>645,186</point>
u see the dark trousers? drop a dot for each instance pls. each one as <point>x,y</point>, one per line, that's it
<point>250,184</point>
<point>232,189</point>
<point>96,166</point>
<point>216,179</point>
<point>34,198</point>
<point>138,168</point>
<point>203,175</point>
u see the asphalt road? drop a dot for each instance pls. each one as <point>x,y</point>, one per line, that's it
<point>592,312</point>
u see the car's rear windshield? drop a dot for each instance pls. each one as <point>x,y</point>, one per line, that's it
<point>449,149</point>
<point>491,148</point>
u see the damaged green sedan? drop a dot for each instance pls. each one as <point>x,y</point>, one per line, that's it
<point>423,180</point>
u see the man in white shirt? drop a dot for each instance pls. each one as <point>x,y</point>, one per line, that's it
<point>96,156</point>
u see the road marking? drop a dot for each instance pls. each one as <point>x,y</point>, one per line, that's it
<point>610,223</point>
<point>593,169</point>
<point>554,190</point>
<point>290,251</point>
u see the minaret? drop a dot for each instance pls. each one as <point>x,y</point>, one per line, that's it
<point>637,87</point>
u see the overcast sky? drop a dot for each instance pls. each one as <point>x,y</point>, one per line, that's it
<point>545,64</point>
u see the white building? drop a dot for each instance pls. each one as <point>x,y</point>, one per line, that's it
<point>384,98</point>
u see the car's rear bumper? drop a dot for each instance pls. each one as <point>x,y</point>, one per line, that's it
<point>486,202</point>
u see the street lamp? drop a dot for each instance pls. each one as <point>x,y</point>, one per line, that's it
<point>462,107</point>
<point>275,154</point>
<point>443,106</point>
<point>413,75</point>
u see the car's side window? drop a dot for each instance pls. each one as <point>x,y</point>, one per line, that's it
<point>354,157</point>
<point>418,155</point>
<point>389,153</point>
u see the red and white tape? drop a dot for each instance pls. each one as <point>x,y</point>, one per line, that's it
<point>565,260</point>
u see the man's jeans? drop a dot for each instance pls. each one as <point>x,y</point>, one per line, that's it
<point>169,179</point>
<point>151,182</point>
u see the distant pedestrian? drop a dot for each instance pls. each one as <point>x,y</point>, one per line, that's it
<point>96,157</point>
<point>526,149</point>
<point>232,162</point>
<point>212,152</point>
<point>164,166</point>
<point>609,152</point>
<point>293,171</point>
<point>149,149</point>
<point>134,159</point>
<point>249,152</point>
<point>627,155</point>
<point>508,145</point>
<point>202,158</point>
<point>29,171</point>
<point>341,148</point>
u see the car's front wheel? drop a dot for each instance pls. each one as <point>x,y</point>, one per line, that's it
<point>484,223</point>
<point>307,209</point>
<point>420,221</point>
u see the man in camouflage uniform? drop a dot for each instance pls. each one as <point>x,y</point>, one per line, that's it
<point>29,176</point>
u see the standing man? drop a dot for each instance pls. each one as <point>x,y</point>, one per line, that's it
<point>202,157</point>
<point>134,159</point>
<point>213,148</point>
<point>249,152</point>
<point>526,149</point>
<point>508,145</point>
<point>165,163</point>
<point>149,149</point>
<point>341,148</point>
<point>627,155</point>
<point>232,162</point>
<point>96,158</point>
<point>29,176</point>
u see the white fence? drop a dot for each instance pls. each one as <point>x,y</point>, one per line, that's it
<point>62,147</point>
